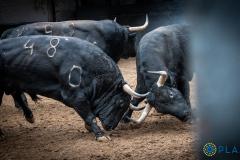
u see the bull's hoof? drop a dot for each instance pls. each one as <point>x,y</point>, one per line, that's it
<point>88,128</point>
<point>103,139</point>
<point>30,119</point>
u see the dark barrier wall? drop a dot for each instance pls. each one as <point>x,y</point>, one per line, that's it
<point>216,49</point>
<point>24,11</point>
<point>128,12</point>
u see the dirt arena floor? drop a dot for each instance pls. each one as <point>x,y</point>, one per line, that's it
<point>59,133</point>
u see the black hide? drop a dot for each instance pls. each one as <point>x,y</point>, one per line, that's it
<point>106,34</point>
<point>72,71</point>
<point>165,49</point>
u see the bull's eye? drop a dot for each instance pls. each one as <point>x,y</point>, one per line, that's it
<point>171,94</point>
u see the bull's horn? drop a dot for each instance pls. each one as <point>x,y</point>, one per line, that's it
<point>115,19</point>
<point>136,108</point>
<point>162,79</point>
<point>143,116</point>
<point>139,28</point>
<point>131,92</point>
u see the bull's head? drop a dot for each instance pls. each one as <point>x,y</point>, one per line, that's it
<point>165,100</point>
<point>116,106</point>
<point>129,49</point>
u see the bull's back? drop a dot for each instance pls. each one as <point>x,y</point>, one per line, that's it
<point>99,33</point>
<point>64,28</point>
<point>161,49</point>
<point>43,63</point>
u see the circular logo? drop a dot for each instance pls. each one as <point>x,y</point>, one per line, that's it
<point>209,149</point>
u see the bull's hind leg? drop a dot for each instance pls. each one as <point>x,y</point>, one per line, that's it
<point>90,120</point>
<point>21,100</point>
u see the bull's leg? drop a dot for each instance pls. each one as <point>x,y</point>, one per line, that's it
<point>24,100</point>
<point>90,120</point>
<point>1,97</point>
<point>135,102</point>
<point>21,99</point>
<point>128,114</point>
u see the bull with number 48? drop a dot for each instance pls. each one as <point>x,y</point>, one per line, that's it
<point>72,71</point>
<point>115,40</point>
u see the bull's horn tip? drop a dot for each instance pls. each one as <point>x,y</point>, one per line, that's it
<point>158,72</point>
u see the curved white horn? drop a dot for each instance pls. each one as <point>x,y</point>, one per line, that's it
<point>136,108</point>
<point>115,19</point>
<point>139,28</point>
<point>143,116</point>
<point>131,92</point>
<point>162,78</point>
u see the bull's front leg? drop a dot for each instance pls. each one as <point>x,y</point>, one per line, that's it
<point>135,101</point>
<point>91,123</point>
<point>128,114</point>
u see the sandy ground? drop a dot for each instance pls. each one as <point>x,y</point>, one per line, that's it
<point>59,133</point>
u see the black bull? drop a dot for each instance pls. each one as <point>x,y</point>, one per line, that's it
<point>164,51</point>
<point>70,70</point>
<point>111,37</point>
